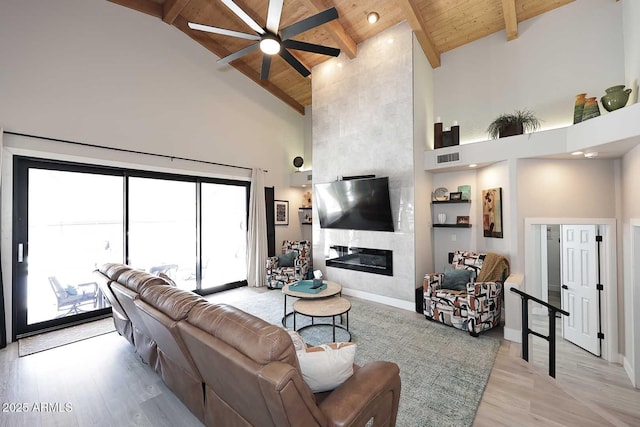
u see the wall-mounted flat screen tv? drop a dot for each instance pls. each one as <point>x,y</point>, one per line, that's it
<point>355,204</point>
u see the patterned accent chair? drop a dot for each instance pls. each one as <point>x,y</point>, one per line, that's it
<point>476,309</point>
<point>279,275</point>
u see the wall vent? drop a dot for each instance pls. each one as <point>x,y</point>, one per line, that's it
<point>451,157</point>
<point>309,177</point>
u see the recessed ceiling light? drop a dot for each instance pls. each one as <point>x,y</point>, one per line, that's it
<point>473,165</point>
<point>591,154</point>
<point>373,17</point>
<point>576,153</point>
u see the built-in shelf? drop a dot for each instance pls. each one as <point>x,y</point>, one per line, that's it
<point>453,225</point>
<point>444,202</point>
<point>611,135</point>
<point>305,215</point>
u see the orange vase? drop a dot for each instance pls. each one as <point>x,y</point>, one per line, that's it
<point>591,109</point>
<point>579,107</point>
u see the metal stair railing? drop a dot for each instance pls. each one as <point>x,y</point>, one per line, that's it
<point>551,338</point>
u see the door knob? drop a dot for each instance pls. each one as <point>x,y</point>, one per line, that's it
<point>565,287</point>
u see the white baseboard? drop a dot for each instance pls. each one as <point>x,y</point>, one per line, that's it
<point>514,335</point>
<point>628,367</point>
<point>393,302</point>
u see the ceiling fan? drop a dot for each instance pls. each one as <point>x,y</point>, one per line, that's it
<point>271,39</point>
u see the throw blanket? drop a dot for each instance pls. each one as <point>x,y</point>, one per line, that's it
<point>493,268</point>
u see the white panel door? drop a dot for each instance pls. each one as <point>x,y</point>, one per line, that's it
<point>579,292</point>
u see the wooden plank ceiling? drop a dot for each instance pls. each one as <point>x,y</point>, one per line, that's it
<point>440,26</point>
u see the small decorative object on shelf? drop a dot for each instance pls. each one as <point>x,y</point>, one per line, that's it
<point>306,199</point>
<point>442,218</point>
<point>591,109</point>
<point>441,194</point>
<point>513,124</point>
<point>579,107</point>
<point>455,196</point>
<point>447,138</point>
<point>466,191</point>
<point>616,97</point>
<point>462,219</point>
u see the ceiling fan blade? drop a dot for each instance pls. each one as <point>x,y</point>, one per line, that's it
<point>266,66</point>
<point>238,54</point>
<point>309,23</point>
<point>273,15</point>
<point>242,15</point>
<point>222,31</point>
<point>310,47</point>
<point>284,53</point>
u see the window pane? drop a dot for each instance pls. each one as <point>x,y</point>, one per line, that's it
<point>75,225</point>
<point>162,228</point>
<point>224,234</point>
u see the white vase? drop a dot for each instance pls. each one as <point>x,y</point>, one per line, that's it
<point>442,218</point>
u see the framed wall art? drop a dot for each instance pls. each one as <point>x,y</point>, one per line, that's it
<point>492,212</point>
<point>281,212</point>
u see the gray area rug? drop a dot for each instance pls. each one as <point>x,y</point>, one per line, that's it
<point>49,340</point>
<point>443,370</point>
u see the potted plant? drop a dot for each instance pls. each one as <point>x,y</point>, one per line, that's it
<point>513,124</point>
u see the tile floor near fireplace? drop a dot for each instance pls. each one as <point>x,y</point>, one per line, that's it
<point>377,261</point>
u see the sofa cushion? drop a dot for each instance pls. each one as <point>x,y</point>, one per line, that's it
<point>456,279</point>
<point>327,366</point>
<point>250,335</point>
<point>173,302</point>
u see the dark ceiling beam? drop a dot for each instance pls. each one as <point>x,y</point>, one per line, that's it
<point>220,51</point>
<point>336,30</point>
<point>510,18</point>
<point>173,8</point>
<point>145,6</point>
<point>419,27</point>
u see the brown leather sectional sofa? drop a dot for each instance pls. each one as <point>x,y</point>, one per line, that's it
<point>233,369</point>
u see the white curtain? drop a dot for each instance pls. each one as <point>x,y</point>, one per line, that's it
<point>257,234</point>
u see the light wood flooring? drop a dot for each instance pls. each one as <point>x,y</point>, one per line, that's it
<point>102,382</point>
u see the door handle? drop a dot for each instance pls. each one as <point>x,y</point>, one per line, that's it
<point>565,287</point>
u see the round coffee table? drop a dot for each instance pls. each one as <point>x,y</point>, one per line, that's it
<point>332,289</point>
<point>325,307</point>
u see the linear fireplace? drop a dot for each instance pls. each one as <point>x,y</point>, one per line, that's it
<point>376,261</point>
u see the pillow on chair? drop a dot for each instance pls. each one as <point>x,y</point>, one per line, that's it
<point>456,279</point>
<point>288,259</point>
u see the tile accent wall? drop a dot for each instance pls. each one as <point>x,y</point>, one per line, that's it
<point>363,124</point>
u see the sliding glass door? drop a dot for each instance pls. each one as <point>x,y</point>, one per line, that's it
<point>162,228</point>
<point>69,219</point>
<point>224,234</point>
<point>64,231</point>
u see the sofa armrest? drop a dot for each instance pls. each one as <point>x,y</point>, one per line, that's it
<point>432,282</point>
<point>373,391</point>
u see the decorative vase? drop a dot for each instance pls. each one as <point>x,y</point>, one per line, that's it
<point>442,218</point>
<point>591,109</point>
<point>616,97</point>
<point>579,107</point>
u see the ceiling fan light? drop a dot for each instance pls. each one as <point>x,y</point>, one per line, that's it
<point>269,45</point>
<point>373,17</point>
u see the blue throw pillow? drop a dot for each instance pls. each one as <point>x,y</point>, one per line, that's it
<point>456,279</point>
<point>287,260</point>
<point>71,290</point>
